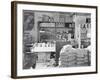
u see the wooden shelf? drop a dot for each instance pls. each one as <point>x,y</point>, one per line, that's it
<point>66,29</point>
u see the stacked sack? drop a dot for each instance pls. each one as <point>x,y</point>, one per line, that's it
<point>82,57</point>
<point>70,57</point>
<point>67,56</point>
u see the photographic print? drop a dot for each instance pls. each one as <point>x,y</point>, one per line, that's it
<point>53,39</point>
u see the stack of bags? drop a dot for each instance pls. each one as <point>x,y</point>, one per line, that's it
<point>67,56</point>
<point>70,57</point>
<point>82,58</point>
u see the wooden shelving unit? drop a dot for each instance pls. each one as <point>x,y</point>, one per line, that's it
<point>57,30</point>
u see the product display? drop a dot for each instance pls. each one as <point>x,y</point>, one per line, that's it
<point>74,57</point>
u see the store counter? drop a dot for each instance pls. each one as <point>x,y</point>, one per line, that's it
<point>44,47</point>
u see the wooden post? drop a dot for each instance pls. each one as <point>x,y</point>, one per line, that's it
<point>79,36</point>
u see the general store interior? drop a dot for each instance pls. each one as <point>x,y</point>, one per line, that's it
<point>46,34</point>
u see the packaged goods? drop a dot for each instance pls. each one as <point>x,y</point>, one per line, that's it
<point>70,57</point>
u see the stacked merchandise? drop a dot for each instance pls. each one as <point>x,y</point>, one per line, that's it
<point>83,57</point>
<point>70,57</point>
<point>67,56</point>
<point>67,60</point>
